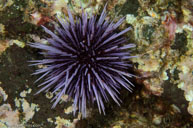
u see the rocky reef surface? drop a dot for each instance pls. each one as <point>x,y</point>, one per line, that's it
<point>163,96</point>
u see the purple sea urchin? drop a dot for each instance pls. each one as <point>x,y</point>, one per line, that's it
<point>87,59</point>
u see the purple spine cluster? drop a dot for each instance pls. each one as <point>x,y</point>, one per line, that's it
<point>87,59</point>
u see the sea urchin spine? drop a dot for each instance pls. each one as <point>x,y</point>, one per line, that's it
<point>87,60</point>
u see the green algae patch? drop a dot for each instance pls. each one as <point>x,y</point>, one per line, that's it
<point>148,30</point>
<point>180,42</point>
<point>15,77</point>
<point>15,72</point>
<point>130,7</point>
<point>12,18</point>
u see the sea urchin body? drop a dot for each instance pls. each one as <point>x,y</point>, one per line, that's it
<point>87,60</point>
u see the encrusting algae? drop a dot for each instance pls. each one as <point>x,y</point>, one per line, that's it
<point>159,57</point>
<point>162,31</point>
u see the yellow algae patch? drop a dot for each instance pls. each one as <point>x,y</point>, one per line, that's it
<point>185,66</point>
<point>3,94</point>
<point>116,126</point>
<point>58,5</point>
<point>190,107</point>
<point>50,120</point>
<point>6,4</point>
<point>18,43</point>
<point>8,117</point>
<point>130,18</point>
<point>150,65</point>
<point>64,98</point>
<point>28,109</point>
<point>68,110</point>
<point>164,76</point>
<point>64,123</point>
<point>49,95</point>
<point>24,93</point>
<point>4,44</point>
<point>38,39</point>
<point>61,123</point>
<point>2,29</point>
<point>189,95</point>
